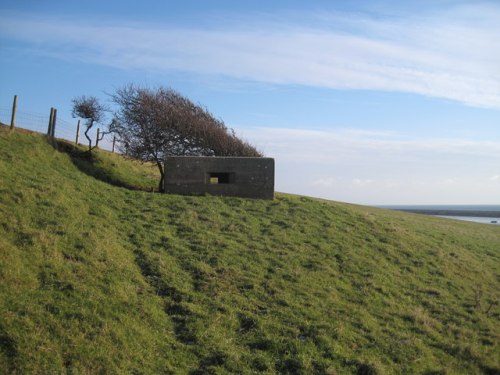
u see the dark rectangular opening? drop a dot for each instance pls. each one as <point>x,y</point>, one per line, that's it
<point>221,178</point>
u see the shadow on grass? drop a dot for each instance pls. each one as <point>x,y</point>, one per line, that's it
<point>8,349</point>
<point>92,164</point>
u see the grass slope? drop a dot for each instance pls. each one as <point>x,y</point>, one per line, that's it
<point>98,278</point>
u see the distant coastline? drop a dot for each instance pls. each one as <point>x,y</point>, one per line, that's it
<point>459,211</point>
<point>441,212</point>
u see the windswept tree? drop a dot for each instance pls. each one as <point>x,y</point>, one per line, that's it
<point>155,123</point>
<point>93,112</point>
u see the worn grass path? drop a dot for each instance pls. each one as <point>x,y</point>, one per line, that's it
<point>98,278</point>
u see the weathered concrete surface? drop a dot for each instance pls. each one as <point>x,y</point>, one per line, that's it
<point>226,176</point>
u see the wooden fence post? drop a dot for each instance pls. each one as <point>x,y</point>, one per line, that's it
<point>51,117</point>
<point>53,129</point>
<point>97,138</point>
<point>14,110</point>
<point>77,132</point>
<point>114,140</point>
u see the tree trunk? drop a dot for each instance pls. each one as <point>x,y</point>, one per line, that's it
<point>87,136</point>
<point>161,185</point>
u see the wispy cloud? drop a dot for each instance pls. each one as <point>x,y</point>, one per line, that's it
<point>452,55</point>
<point>349,145</point>
<point>371,167</point>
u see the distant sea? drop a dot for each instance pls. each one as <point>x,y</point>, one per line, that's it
<point>486,214</point>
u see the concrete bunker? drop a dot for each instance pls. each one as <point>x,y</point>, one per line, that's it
<point>245,177</point>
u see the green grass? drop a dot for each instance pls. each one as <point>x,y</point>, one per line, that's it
<point>98,278</point>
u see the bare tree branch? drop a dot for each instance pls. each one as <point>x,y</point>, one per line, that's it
<point>92,111</point>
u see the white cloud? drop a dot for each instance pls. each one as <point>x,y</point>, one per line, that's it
<point>379,168</point>
<point>325,182</point>
<point>339,146</point>
<point>447,182</point>
<point>362,182</point>
<point>453,55</point>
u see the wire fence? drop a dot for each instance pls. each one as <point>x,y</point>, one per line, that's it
<point>64,129</point>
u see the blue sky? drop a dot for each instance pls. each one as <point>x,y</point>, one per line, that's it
<point>371,102</point>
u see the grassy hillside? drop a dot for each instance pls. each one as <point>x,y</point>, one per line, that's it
<point>98,278</point>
